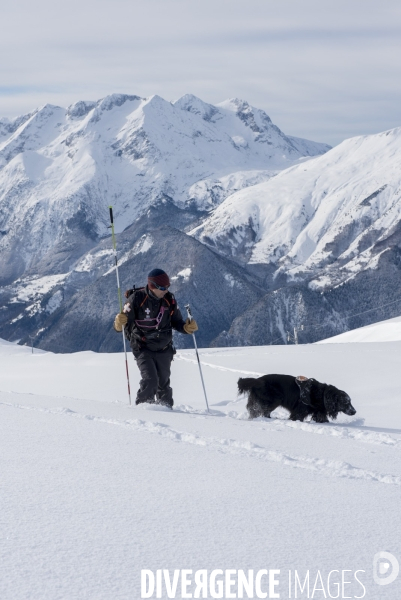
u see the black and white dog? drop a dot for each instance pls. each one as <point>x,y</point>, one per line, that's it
<point>300,395</point>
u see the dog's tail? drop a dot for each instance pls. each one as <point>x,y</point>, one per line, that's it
<point>245,384</point>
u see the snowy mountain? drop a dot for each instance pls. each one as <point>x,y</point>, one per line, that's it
<point>325,238</point>
<point>159,164</point>
<point>269,237</point>
<point>325,220</point>
<point>61,168</point>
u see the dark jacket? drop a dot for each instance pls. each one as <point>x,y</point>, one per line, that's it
<point>151,320</point>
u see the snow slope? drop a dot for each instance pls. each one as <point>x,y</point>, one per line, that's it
<point>384,331</point>
<point>326,220</point>
<point>95,491</point>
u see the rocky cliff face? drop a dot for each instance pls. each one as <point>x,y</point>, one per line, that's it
<point>311,314</point>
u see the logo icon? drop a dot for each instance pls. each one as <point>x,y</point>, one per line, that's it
<point>385,568</point>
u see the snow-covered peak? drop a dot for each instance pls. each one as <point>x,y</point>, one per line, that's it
<point>80,109</point>
<point>330,215</point>
<point>115,100</point>
<point>156,103</point>
<point>195,105</point>
<point>235,104</point>
<point>130,151</point>
<point>252,117</point>
<point>7,126</point>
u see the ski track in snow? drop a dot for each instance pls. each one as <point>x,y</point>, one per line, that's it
<point>339,431</point>
<point>276,423</point>
<point>230,446</point>
<point>329,429</point>
<point>218,367</point>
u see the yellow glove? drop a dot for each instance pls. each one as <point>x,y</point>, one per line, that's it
<point>190,326</point>
<point>119,322</point>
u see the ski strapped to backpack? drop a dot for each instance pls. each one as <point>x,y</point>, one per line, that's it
<point>129,292</point>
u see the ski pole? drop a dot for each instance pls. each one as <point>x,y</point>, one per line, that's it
<point>119,297</point>
<point>197,356</point>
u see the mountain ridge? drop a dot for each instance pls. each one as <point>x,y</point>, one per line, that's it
<point>327,216</point>
<point>124,150</point>
<point>234,209</point>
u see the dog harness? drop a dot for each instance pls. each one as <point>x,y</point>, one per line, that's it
<point>302,396</point>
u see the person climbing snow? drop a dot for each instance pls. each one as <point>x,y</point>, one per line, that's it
<point>149,317</point>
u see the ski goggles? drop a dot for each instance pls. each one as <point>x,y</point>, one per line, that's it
<point>162,288</point>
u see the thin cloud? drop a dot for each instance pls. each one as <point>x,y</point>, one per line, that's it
<point>323,70</point>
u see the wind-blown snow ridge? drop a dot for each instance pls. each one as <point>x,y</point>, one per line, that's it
<point>322,466</point>
<point>383,331</point>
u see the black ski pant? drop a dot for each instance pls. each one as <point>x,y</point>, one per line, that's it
<point>155,376</point>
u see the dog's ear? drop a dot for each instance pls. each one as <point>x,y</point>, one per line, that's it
<point>305,386</point>
<point>245,384</point>
<point>330,399</point>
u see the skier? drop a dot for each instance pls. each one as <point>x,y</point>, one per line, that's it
<point>149,316</point>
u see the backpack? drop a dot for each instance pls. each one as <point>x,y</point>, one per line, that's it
<point>171,301</point>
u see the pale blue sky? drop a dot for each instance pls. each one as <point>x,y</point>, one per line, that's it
<point>322,69</point>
